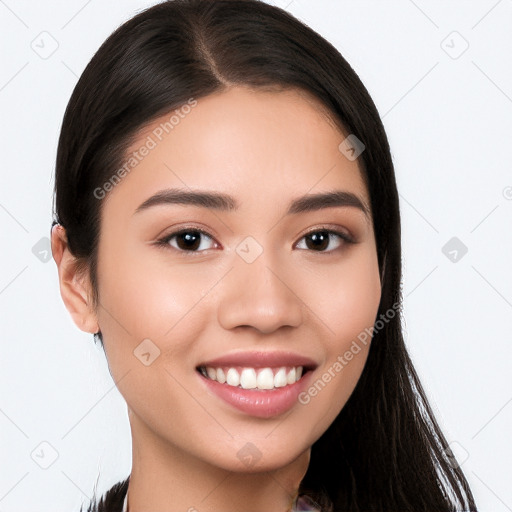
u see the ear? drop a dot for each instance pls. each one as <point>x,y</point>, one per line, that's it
<point>75,287</point>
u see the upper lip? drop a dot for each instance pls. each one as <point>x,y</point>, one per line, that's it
<point>261,359</point>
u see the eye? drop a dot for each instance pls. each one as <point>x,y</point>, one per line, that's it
<point>187,240</point>
<point>319,239</point>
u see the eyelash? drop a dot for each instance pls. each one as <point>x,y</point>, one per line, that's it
<point>164,242</point>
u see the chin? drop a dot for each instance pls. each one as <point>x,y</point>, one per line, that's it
<point>257,455</point>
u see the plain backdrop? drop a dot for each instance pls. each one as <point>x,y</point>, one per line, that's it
<point>440,74</point>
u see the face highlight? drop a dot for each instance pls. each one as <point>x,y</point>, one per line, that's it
<point>214,246</point>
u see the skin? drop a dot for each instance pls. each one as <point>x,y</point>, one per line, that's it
<point>265,149</point>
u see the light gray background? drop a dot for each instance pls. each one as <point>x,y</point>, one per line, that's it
<point>448,115</point>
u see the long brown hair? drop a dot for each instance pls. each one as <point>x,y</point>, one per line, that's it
<point>385,450</point>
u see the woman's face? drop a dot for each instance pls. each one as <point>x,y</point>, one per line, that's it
<point>261,282</point>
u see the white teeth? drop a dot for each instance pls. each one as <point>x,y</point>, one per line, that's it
<point>251,378</point>
<point>290,378</point>
<point>280,378</point>
<point>266,379</point>
<point>220,376</point>
<point>248,378</point>
<point>233,377</point>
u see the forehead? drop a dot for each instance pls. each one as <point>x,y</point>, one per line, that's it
<point>255,145</point>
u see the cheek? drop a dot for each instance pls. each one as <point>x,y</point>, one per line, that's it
<point>145,298</point>
<point>345,301</point>
<point>344,296</point>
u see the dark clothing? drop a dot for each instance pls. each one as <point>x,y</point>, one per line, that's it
<point>113,500</point>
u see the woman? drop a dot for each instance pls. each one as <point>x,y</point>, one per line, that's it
<point>227,225</point>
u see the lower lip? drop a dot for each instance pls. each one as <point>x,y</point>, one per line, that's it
<point>259,403</point>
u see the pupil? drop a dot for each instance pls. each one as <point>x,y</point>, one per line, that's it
<point>319,238</point>
<point>190,238</point>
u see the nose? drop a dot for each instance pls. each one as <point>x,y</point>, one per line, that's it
<point>259,295</point>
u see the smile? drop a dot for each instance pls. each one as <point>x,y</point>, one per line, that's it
<point>253,378</point>
<point>257,383</point>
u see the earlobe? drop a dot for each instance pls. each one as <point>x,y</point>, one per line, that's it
<point>75,287</point>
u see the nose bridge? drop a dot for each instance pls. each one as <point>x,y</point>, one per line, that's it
<point>259,291</point>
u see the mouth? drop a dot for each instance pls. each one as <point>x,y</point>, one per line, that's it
<point>259,384</point>
<point>255,378</point>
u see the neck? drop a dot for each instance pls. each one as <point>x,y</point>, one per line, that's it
<point>167,479</point>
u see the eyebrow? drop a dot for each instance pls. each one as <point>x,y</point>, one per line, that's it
<point>224,202</point>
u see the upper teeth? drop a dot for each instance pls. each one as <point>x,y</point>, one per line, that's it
<point>252,378</point>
